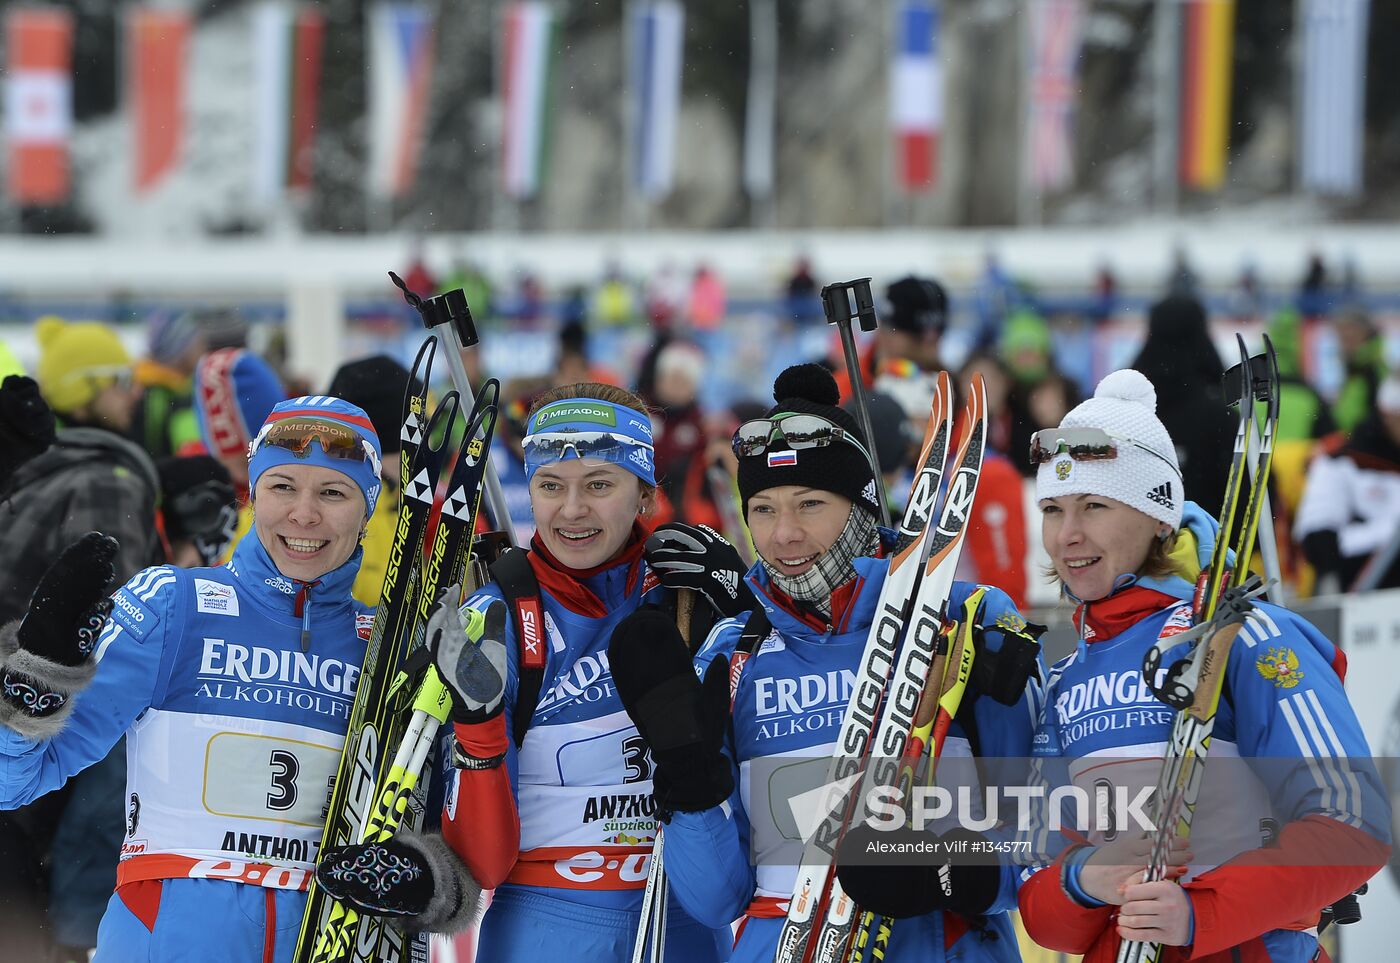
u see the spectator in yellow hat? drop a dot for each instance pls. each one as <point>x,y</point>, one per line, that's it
<point>84,373</point>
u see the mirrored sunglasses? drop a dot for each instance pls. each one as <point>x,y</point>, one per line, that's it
<point>799,431</point>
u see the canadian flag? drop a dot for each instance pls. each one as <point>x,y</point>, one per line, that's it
<point>38,103</point>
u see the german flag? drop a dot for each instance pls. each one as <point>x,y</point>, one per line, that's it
<point>1207,50</point>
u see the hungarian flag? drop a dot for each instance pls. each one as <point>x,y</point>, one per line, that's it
<point>916,95</point>
<point>155,76</point>
<point>287,43</point>
<point>400,72</point>
<point>38,103</point>
<point>529,49</point>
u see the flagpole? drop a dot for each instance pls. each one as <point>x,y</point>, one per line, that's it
<point>887,31</point>
<point>1028,195</point>
<point>759,119</point>
<point>1164,32</point>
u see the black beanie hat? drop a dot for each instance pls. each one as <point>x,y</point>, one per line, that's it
<point>839,467</point>
<point>917,306</point>
<point>378,385</point>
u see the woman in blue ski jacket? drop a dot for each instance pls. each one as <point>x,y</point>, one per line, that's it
<point>561,823</point>
<point>732,847</point>
<point>233,686</point>
<point>1272,842</point>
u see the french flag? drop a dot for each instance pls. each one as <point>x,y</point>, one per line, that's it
<point>656,47</point>
<point>916,95</point>
<point>778,459</point>
<point>401,67</point>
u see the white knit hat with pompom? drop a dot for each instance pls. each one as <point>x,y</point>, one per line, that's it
<point>1145,475</point>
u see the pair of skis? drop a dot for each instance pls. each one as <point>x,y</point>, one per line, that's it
<point>1193,686</point>
<point>821,917</point>
<point>373,794</point>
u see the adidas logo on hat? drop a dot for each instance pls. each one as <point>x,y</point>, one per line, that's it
<point>868,493</point>
<point>1162,494</point>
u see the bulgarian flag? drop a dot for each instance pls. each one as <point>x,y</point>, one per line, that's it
<point>916,95</point>
<point>38,103</point>
<point>287,42</point>
<point>1207,53</point>
<point>528,54</point>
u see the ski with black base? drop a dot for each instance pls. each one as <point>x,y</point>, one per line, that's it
<point>369,790</point>
<point>893,609</point>
<point>1193,686</point>
<point>924,643</point>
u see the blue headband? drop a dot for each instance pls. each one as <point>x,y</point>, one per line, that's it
<point>363,472</point>
<point>589,428</point>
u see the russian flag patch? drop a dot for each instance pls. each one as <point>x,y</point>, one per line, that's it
<point>780,458</point>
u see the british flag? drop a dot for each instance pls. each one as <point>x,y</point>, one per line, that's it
<point>1055,31</point>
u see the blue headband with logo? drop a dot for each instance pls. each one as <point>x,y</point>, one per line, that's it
<point>589,428</point>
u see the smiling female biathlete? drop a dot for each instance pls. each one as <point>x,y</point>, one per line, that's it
<point>561,825</point>
<point>233,686</point>
<point>808,488</point>
<point>1304,824</point>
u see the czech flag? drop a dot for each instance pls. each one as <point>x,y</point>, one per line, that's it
<point>400,73</point>
<point>38,103</point>
<point>916,95</point>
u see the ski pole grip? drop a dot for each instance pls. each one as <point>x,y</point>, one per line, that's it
<point>850,301</point>
<point>685,602</point>
<point>451,309</point>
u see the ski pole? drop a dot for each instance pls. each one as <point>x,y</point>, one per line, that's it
<point>836,302</point>
<point>451,312</point>
<point>650,945</point>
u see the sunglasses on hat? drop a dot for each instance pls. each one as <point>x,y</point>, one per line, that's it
<point>336,439</point>
<point>799,431</point>
<point>1083,444</point>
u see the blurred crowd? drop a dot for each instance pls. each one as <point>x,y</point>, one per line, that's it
<point>152,450</point>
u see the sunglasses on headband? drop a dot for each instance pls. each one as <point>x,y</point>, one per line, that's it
<point>337,440</point>
<point>1083,444</point>
<point>754,437</point>
<point>548,446</point>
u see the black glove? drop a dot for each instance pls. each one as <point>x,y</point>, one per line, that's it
<point>48,657</point>
<point>681,718</point>
<point>698,557</point>
<point>954,872</point>
<point>469,651</point>
<point>418,880</point>
<point>26,424</point>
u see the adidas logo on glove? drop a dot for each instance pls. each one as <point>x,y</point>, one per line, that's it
<point>729,579</point>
